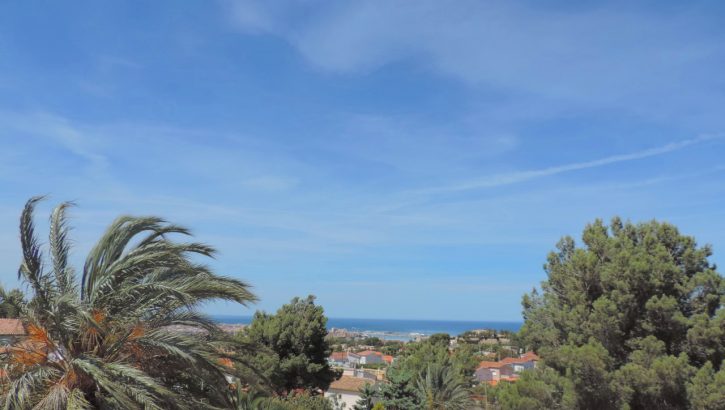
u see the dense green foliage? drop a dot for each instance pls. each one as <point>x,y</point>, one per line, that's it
<point>294,349</point>
<point>539,389</point>
<point>438,389</point>
<point>426,371</point>
<point>632,320</point>
<point>368,397</point>
<point>392,347</point>
<point>11,303</point>
<point>372,341</point>
<point>104,342</point>
<point>257,400</point>
<point>399,391</point>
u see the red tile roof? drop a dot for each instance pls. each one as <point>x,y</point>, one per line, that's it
<point>388,359</point>
<point>530,356</point>
<point>338,356</point>
<point>490,365</point>
<point>350,384</point>
<point>369,353</point>
<point>526,357</point>
<point>12,327</point>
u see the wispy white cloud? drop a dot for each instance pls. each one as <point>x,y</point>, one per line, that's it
<point>621,58</point>
<point>57,130</point>
<point>523,176</point>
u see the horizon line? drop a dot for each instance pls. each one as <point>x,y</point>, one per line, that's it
<point>382,318</point>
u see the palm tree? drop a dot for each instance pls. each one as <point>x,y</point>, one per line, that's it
<point>112,339</point>
<point>368,394</point>
<point>11,303</point>
<point>438,389</point>
<point>254,400</point>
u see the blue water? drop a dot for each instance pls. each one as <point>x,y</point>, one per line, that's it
<point>425,327</point>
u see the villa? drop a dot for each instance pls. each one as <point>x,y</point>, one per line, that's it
<point>337,359</point>
<point>493,371</point>
<point>371,357</point>
<point>506,369</point>
<point>346,359</point>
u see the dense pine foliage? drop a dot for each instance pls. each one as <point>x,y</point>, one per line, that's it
<point>11,303</point>
<point>292,347</point>
<point>633,319</point>
<point>428,376</point>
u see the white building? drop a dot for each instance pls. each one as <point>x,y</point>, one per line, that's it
<point>343,359</point>
<point>370,357</point>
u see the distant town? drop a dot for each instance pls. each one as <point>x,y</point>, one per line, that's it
<point>364,359</point>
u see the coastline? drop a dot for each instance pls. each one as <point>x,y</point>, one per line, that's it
<point>392,329</point>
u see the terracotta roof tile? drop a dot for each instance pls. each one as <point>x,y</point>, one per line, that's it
<point>530,356</point>
<point>526,357</point>
<point>12,327</point>
<point>490,365</point>
<point>369,353</point>
<point>349,383</point>
<point>338,356</point>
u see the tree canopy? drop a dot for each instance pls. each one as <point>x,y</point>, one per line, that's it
<point>294,347</point>
<point>439,389</point>
<point>11,303</point>
<point>427,371</point>
<point>632,319</point>
<point>105,341</point>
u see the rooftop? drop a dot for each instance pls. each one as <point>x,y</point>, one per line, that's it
<point>369,353</point>
<point>349,383</point>
<point>526,357</point>
<point>12,327</point>
<point>338,356</point>
<point>490,365</point>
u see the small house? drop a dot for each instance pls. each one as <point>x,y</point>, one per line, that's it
<point>11,331</point>
<point>371,357</point>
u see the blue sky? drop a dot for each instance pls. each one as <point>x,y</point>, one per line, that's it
<point>396,159</point>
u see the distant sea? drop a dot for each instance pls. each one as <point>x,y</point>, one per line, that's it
<point>396,326</point>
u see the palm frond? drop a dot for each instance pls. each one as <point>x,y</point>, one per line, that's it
<point>31,268</point>
<point>112,245</point>
<point>438,388</point>
<point>60,248</point>
<point>23,390</point>
<point>128,386</point>
<point>131,338</point>
<point>77,401</point>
